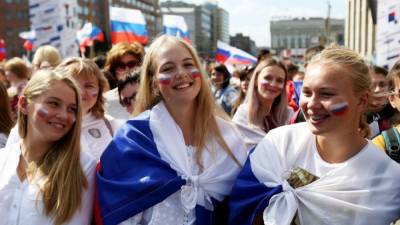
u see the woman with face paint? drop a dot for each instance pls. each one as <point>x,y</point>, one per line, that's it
<point>97,128</point>
<point>323,171</point>
<point>265,106</point>
<point>45,178</point>
<point>176,161</point>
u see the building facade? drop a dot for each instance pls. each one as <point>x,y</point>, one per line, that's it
<point>244,43</point>
<point>298,34</point>
<point>14,19</point>
<point>360,26</point>
<point>219,24</point>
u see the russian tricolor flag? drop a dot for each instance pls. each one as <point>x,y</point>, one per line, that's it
<point>127,25</point>
<point>176,26</point>
<point>2,50</point>
<point>230,55</point>
<point>29,37</point>
<point>88,34</point>
<point>392,17</point>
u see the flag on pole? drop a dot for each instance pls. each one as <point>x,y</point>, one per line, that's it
<point>127,25</point>
<point>88,34</point>
<point>2,50</point>
<point>230,55</point>
<point>176,26</point>
<point>29,37</point>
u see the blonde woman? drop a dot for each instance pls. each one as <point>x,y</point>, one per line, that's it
<point>46,57</point>
<point>97,128</point>
<point>324,171</point>
<point>176,161</point>
<point>265,106</point>
<point>44,178</point>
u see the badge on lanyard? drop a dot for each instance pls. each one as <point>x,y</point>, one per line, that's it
<point>95,132</point>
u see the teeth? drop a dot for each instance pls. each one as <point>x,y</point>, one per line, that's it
<point>58,125</point>
<point>182,86</point>
<point>316,117</point>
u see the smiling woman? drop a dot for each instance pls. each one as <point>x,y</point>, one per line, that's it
<point>343,172</point>
<point>181,153</point>
<point>45,178</point>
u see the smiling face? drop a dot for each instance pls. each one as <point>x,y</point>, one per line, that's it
<point>329,102</point>
<point>270,82</point>
<point>89,86</point>
<point>127,62</point>
<point>52,114</point>
<point>380,89</point>
<point>177,75</point>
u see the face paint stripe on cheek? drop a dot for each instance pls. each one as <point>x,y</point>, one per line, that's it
<point>165,79</point>
<point>339,108</point>
<point>195,73</point>
<point>42,112</point>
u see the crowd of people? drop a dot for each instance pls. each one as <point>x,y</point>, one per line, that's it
<point>157,137</point>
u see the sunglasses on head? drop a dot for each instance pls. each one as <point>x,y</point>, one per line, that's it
<point>127,101</point>
<point>130,65</point>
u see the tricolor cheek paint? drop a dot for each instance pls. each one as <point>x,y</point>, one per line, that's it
<point>195,73</point>
<point>339,108</point>
<point>42,112</point>
<point>165,79</point>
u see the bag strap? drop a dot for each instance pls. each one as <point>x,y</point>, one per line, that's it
<point>392,140</point>
<point>109,127</point>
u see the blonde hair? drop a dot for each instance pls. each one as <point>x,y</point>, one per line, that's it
<point>6,120</point>
<point>279,111</point>
<point>205,127</point>
<point>65,179</point>
<point>46,53</point>
<point>77,67</point>
<point>357,70</point>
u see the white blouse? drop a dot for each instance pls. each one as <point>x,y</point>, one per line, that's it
<point>169,211</point>
<point>21,202</point>
<point>3,140</point>
<point>96,135</point>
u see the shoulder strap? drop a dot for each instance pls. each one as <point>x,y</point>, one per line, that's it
<point>392,140</point>
<point>108,125</point>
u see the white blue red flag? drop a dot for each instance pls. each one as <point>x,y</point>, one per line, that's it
<point>227,54</point>
<point>127,25</point>
<point>88,34</point>
<point>176,26</point>
<point>2,50</point>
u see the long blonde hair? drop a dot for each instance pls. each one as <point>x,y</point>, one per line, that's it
<point>205,125</point>
<point>279,112</point>
<point>75,67</point>
<point>357,70</point>
<point>65,179</point>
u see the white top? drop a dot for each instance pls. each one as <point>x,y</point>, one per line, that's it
<point>114,107</point>
<point>364,189</point>
<point>168,211</point>
<point>215,181</point>
<point>96,135</point>
<point>21,202</point>
<point>3,140</point>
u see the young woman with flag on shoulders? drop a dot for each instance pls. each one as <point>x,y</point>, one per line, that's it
<point>324,171</point>
<point>44,177</point>
<point>177,160</point>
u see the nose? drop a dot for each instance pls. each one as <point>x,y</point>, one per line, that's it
<point>313,102</point>
<point>181,72</point>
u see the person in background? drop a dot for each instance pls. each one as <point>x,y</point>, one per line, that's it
<point>17,74</point>
<point>391,87</point>
<point>6,120</point>
<point>224,94</point>
<point>298,116</point>
<point>127,89</point>
<point>263,54</point>
<point>3,77</point>
<point>97,127</point>
<point>46,57</point>
<point>176,161</point>
<point>380,112</point>
<point>265,106</point>
<point>121,59</point>
<point>292,69</point>
<point>44,177</point>
<point>245,77</point>
<point>324,171</point>
<point>100,61</point>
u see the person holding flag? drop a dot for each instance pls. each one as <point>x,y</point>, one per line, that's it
<point>175,162</point>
